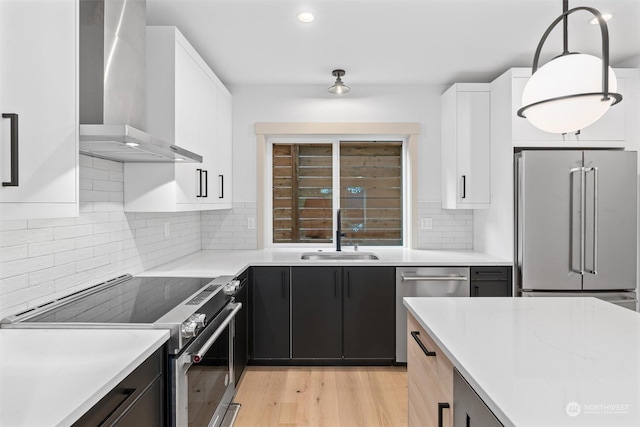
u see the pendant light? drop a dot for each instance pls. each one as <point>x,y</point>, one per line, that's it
<point>338,87</point>
<point>573,90</point>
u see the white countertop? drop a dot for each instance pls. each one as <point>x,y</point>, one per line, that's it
<point>529,358</point>
<point>213,263</point>
<point>51,377</point>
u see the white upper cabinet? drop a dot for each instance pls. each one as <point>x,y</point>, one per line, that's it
<point>39,98</point>
<point>188,106</point>
<point>608,131</point>
<point>466,142</point>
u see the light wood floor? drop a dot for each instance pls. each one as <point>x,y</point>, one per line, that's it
<point>323,396</point>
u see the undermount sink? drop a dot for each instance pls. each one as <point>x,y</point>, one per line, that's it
<point>339,256</point>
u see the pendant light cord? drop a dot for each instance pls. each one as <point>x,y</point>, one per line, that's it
<point>565,24</point>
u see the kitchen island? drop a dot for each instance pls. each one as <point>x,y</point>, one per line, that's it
<point>51,377</point>
<point>541,361</point>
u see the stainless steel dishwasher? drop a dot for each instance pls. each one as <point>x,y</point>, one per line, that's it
<point>425,282</point>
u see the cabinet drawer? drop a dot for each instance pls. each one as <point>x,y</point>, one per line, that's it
<point>491,288</point>
<point>126,395</point>
<point>430,380</point>
<point>490,273</point>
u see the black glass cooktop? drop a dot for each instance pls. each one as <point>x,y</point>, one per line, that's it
<point>138,300</point>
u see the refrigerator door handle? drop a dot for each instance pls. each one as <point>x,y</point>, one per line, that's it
<point>582,205</point>
<point>594,270</point>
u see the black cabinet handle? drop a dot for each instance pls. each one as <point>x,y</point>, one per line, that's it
<point>206,183</point>
<point>221,192</point>
<point>480,273</point>
<point>14,149</point>
<point>199,182</point>
<point>127,393</point>
<point>475,291</point>
<point>284,287</point>
<point>415,334</point>
<point>348,284</point>
<point>441,406</point>
<point>335,284</point>
<point>468,421</point>
<point>464,186</point>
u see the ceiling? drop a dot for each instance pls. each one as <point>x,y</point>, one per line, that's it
<point>386,42</point>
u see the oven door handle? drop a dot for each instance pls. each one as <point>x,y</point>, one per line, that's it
<point>197,356</point>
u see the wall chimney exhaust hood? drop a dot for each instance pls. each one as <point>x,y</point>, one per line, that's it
<point>113,92</point>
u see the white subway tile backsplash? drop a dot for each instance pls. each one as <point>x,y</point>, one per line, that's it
<point>73,256</point>
<point>13,253</point>
<point>26,265</point>
<point>51,274</point>
<point>228,229</point>
<point>44,259</point>
<point>72,231</point>
<point>12,284</point>
<point>20,237</point>
<point>452,229</point>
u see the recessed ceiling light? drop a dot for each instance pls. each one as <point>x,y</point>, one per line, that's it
<point>131,144</point>
<point>179,159</point>
<point>305,17</point>
<point>605,16</point>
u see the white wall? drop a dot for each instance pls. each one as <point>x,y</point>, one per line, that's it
<point>271,103</point>
<point>48,258</point>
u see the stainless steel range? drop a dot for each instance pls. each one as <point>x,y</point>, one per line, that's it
<point>200,315</point>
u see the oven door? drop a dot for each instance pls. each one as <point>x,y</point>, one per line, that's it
<point>203,386</point>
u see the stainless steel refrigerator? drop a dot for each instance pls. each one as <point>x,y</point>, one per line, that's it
<point>576,224</point>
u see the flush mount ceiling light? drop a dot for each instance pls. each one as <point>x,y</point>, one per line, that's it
<point>305,17</point>
<point>338,87</point>
<point>573,90</point>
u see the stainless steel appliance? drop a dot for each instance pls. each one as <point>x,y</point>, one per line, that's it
<point>425,282</point>
<point>113,88</point>
<point>200,315</point>
<point>576,224</point>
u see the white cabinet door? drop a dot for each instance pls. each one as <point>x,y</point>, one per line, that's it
<point>188,103</point>
<point>38,72</point>
<point>473,122</point>
<point>209,136</point>
<point>224,155</point>
<point>466,147</point>
<point>182,109</point>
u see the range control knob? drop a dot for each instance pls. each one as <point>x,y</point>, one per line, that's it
<point>188,329</point>
<point>193,324</point>
<point>231,288</point>
<point>200,319</point>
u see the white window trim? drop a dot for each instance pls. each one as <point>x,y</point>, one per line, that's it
<point>406,132</point>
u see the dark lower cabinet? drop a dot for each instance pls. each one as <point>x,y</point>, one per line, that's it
<point>138,401</point>
<point>328,314</point>
<point>468,409</point>
<point>491,282</point>
<point>269,300</point>
<point>316,310</point>
<point>369,312</point>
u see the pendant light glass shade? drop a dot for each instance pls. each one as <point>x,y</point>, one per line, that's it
<point>565,95</point>
<point>573,90</point>
<point>338,87</point>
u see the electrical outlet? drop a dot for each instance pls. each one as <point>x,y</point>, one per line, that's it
<point>251,223</point>
<point>167,229</point>
<point>426,223</point>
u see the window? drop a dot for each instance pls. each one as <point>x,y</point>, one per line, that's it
<point>366,176</point>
